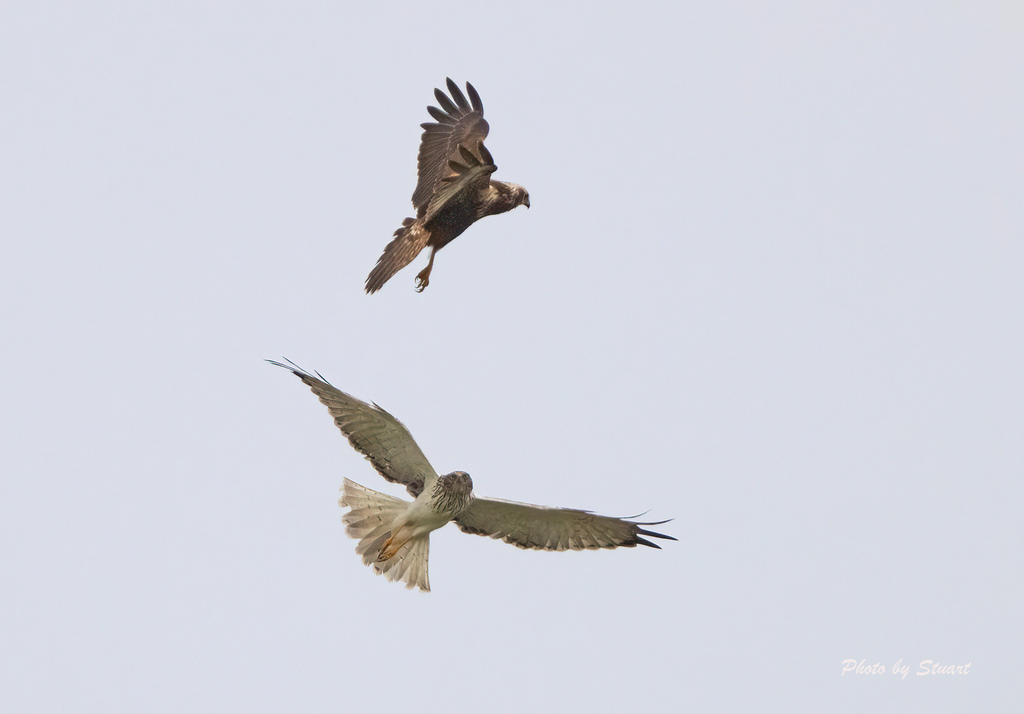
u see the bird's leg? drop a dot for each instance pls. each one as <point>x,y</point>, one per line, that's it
<point>423,279</point>
<point>390,548</point>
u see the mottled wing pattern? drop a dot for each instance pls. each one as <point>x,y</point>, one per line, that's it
<point>409,240</point>
<point>382,439</point>
<point>471,172</point>
<point>458,121</point>
<point>542,528</point>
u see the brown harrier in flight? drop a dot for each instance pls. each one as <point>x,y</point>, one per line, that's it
<point>394,535</point>
<point>454,189</point>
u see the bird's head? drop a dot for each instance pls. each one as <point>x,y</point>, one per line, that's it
<point>520,196</point>
<point>452,493</point>
<point>457,482</point>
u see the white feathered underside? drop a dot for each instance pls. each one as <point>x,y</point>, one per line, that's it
<point>370,521</point>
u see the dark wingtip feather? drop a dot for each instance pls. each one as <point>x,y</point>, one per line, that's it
<point>441,117</point>
<point>291,366</point>
<point>652,534</point>
<point>297,370</point>
<point>445,102</point>
<point>484,153</point>
<point>457,95</point>
<point>457,168</point>
<point>474,98</point>
<point>642,541</point>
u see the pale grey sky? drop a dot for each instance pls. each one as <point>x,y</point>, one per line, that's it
<point>770,286</point>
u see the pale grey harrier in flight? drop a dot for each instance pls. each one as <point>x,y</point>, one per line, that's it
<point>394,535</point>
<point>454,189</point>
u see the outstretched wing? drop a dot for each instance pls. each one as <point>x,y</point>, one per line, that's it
<point>458,122</point>
<point>382,439</point>
<point>543,528</point>
<point>471,173</point>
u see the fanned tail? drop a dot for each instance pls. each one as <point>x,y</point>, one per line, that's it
<point>409,240</point>
<point>369,520</point>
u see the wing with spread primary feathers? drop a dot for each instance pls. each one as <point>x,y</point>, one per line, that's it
<point>542,528</point>
<point>382,439</point>
<point>458,122</point>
